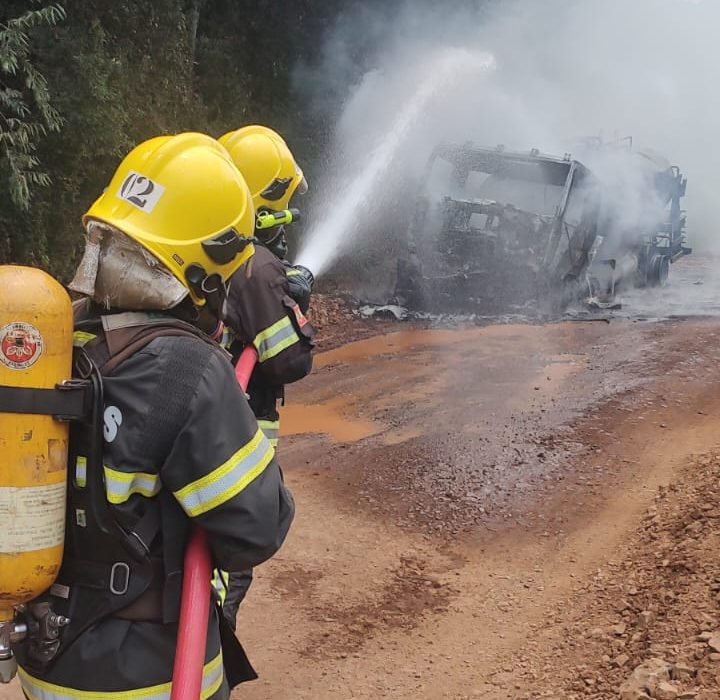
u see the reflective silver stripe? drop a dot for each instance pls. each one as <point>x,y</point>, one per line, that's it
<point>121,485</point>
<point>275,339</point>
<point>132,319</point>
<point>271,429</point>
<point>81,471</point>
<point>42,690</point>
<point>227,480</point>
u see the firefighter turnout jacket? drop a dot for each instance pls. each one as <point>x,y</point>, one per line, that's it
<point>261,310</point>
<point>181,446</point>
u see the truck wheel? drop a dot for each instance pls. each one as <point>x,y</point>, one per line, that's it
<point>659,270</point>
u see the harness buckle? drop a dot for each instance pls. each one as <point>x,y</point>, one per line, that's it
<point>119,586</point>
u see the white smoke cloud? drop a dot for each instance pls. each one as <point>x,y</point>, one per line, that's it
<point>565,70</point>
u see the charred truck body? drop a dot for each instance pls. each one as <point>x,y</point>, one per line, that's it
<point>520,231</point>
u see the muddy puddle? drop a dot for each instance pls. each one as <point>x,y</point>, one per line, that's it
<point>393,344</point>
<point>372,387</point>
<point>332,419</point>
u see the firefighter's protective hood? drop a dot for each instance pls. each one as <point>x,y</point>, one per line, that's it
<point>117,272</point>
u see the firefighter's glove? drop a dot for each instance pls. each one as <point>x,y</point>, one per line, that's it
<point>306,274</point>
<point>300,283</point>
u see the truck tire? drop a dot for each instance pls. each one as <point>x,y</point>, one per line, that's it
<point>658,271</point>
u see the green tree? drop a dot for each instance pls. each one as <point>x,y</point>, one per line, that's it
<point>26,111</point>
<point>83,82</point>
<point>120,73</point>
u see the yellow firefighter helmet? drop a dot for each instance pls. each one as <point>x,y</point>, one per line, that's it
<point>265,161</point>
<point>182,199</point>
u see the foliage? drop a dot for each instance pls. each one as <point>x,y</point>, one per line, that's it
<point>81,84</point>
<point>26,112</point>
<point>119,73</point>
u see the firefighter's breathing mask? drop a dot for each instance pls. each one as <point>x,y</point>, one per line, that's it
<point>117,272</point>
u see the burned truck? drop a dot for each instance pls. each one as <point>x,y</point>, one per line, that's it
<point>497,231</point>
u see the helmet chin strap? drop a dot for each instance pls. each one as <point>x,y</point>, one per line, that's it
<point>208,287</point>
<point>215,293</point>
<point>278,247</point>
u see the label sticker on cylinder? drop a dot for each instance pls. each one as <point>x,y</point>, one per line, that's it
<point>31,517</point>
<point>20,345</point>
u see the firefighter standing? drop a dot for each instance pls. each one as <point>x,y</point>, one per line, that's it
<point>268,296</point>
<point>180,442</point>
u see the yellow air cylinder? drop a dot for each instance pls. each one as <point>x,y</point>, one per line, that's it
<point>36,327</point>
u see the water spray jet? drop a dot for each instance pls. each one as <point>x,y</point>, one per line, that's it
<point>334,233</point>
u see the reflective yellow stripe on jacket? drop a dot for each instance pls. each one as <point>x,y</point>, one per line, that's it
<point>119,486</point>
<point>41,690</point>
<point>199,496</point>
<point>221,582</point>
<point>227,480</point>
<point>81,337</point>
<point>271,429</point>
<point>273,340</point>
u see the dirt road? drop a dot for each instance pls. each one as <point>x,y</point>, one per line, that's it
<point>474,508</point>
<point>514,511</point>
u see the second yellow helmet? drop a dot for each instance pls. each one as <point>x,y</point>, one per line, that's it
<point>267,164</point>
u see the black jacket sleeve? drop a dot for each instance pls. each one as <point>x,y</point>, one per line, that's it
<point>262,312</point>
<point>223,472</point>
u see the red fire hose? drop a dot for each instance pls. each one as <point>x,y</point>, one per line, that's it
<point>245,366</point>
<point>195,604</point>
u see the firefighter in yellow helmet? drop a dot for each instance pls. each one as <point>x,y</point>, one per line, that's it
<point>267,164</point>
<point>268,296</point>
<point>274,177</point>
<point>177,444</point>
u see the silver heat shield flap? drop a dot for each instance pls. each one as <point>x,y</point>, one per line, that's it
<point>119,273</point>
<point>86,273</point>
